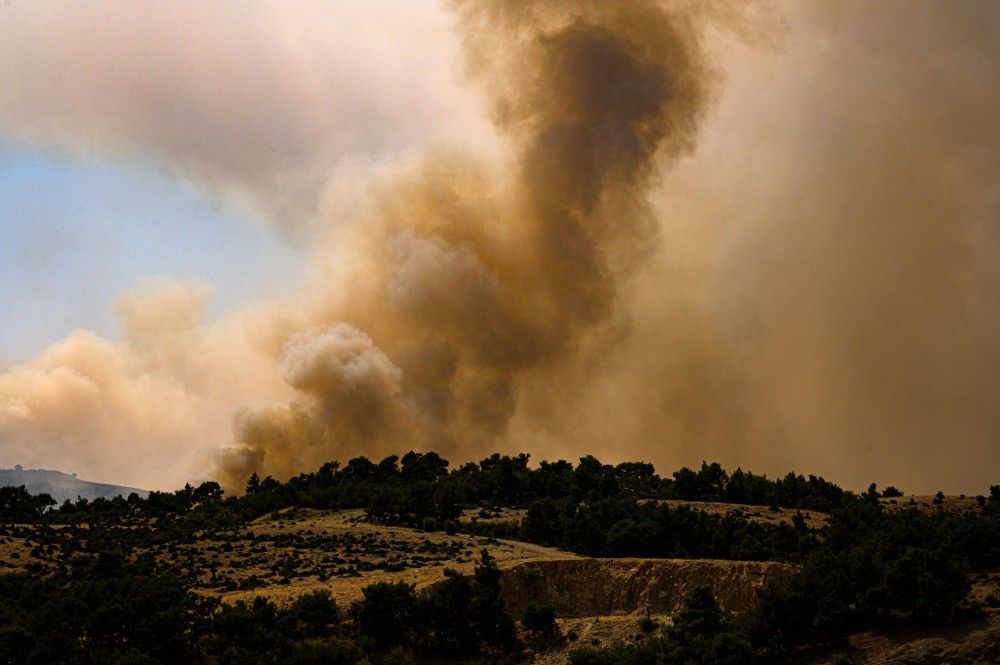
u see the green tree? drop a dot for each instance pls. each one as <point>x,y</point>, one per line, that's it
<point>540,620</point>
<point>386,614</point>
<point>493,626</point>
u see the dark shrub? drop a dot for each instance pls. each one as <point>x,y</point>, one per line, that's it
<point>386,612</point>
<point>540,620</point>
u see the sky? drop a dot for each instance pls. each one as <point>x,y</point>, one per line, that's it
<point>75,233</point>
<point>252,237</point>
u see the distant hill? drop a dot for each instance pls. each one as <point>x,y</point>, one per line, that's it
<point>62,486</point>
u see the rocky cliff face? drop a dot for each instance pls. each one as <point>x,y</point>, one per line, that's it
<point>602,587</point>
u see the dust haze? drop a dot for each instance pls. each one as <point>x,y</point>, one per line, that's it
<point>761,234</point>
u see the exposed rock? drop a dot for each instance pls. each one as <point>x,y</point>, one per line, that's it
<point>977,648</point>
<point>976,643</point>
<point>601,587</point>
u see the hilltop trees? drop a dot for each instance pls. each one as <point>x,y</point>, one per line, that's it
<point>19,505</point>
<point>419,489</point>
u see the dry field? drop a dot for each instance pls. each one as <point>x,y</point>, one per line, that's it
<point>492,516</point>
<point>15,553</point>
<point>760,514</point>
<point>951,504</point>
<point>293,552</point>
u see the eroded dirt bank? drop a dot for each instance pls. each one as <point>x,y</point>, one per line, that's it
<point>602,587</point>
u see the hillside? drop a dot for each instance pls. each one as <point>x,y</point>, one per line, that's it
<point>62,486</point>
<point>599,602</point>
<point>408,560</point>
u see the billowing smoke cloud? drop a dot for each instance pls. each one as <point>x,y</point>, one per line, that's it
<point>826,295</point>
<point>811,284</point>
<point>150,408</point>
<point>471,288</point>
<point>127,396</point>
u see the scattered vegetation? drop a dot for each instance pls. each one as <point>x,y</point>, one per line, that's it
<point>111,581</point>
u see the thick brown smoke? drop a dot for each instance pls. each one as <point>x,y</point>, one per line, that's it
<point>469,287</point>
<point>827,293</point>
<point>796,269</point>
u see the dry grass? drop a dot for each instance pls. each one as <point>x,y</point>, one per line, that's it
<point>926,502</point>
<point>15,554</point>
<point>595,632</point>
<point>760,514</point>
<point>492,515</point>
<point>293,552</point>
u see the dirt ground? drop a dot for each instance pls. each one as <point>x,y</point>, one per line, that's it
<point>761,514</point>
<point>299,551</point>
<point>594,632</point>
<point>926,502</point>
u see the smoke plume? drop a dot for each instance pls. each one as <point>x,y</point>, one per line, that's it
<point>474,283</point>
<point>763,234</point>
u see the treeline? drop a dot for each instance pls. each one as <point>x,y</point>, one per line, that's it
<point>19,505</point>
<point>421,485</point>
<point>865,567</point>
<point>107,610</point>
<point>418,486</point>
<point>631,528</point>
<point>589,508</point>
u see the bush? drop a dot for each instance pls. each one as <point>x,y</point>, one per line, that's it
<point>702,634</point>
<point>311,614</point>
<point>540,620</point>
<point>446,625</point>
<point>589,656</point>
<point>329,651</point>
<point>386,612</point>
